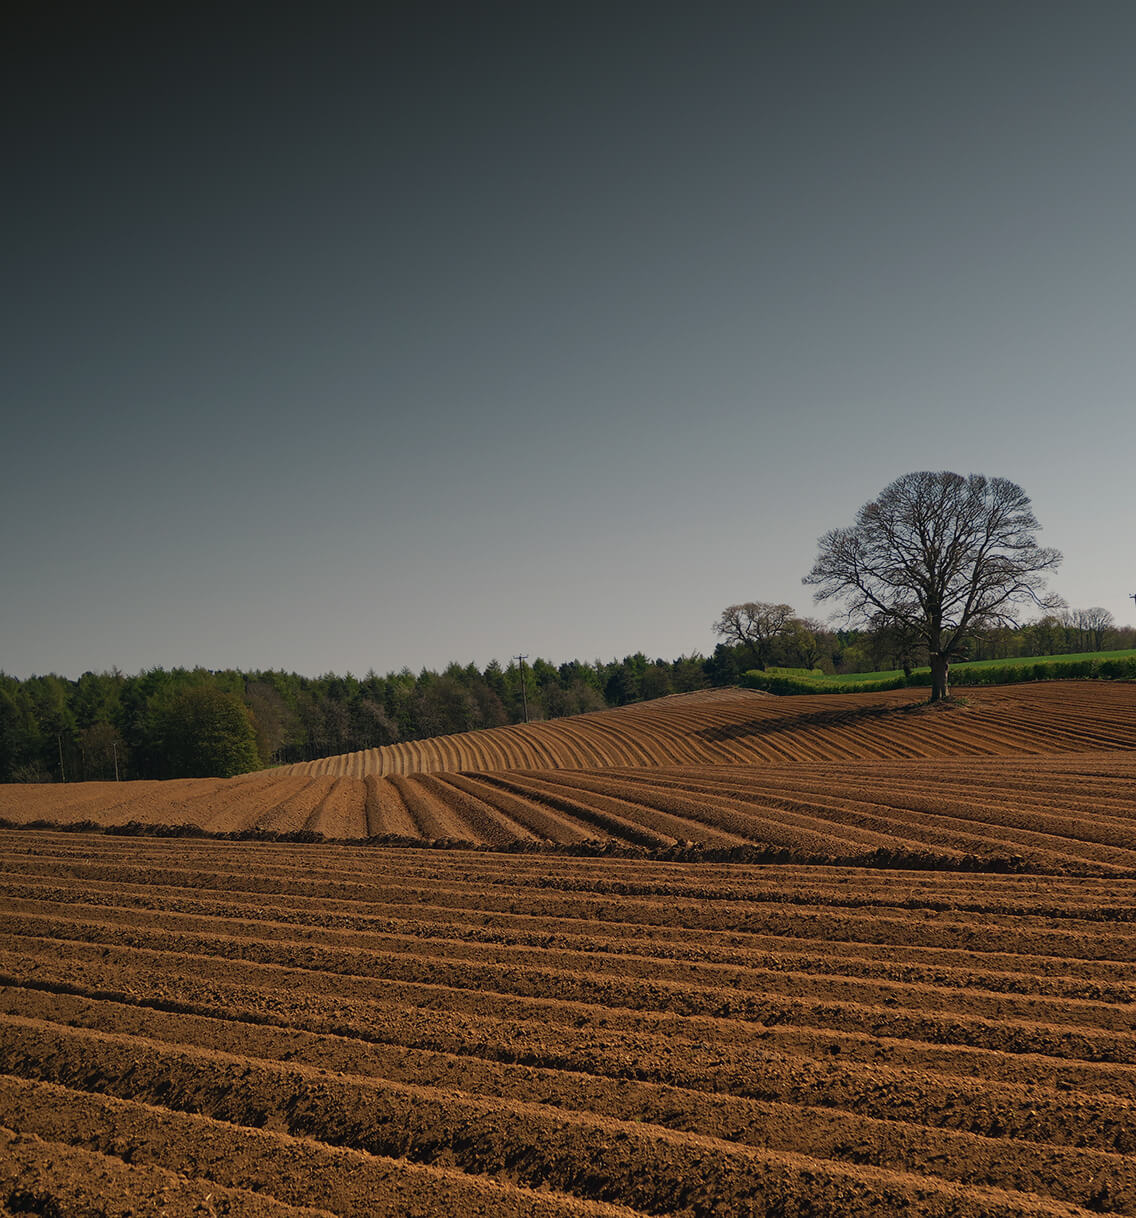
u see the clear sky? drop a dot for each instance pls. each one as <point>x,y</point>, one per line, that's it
<point>361,335</point>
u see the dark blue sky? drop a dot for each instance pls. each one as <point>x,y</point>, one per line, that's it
<point>368,335</point>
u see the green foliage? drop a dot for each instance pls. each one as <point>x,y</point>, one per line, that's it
<point>206,733</point>
<point>800,681</point>
<point>105,723</point>
<point>1099,665</point>
<point>1080,657</point>
<point>22,744</point>
<point>1106,665</point>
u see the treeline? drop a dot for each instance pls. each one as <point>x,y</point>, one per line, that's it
<point>761,635</point>
<point>193,722</point>
<point>1070,632</point>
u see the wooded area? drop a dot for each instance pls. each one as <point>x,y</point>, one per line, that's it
<point>194,722</point>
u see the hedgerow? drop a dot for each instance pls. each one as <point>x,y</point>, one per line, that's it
<point>1056,668</point>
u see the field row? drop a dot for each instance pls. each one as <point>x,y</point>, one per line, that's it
<point>429,1032</point>
<point>1071,813</point>
<point>737,726</point>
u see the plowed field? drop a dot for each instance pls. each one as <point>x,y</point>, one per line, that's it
<point>738,726</point>
<point>195,1027</point>
<point>200,1026</point>
<point>1037,777</point>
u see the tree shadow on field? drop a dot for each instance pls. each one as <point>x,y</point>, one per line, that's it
<point>842,717</point>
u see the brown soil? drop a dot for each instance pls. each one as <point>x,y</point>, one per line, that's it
<point>737,726</point>
<point>1036,778</point>
<point>406,1032</point>
<point>202,1026</point>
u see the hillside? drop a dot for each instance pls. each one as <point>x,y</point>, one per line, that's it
<point>1039,776</point>
<point>739,726</point>
<point>292,1027</point>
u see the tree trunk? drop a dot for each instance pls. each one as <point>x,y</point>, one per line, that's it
<point>940,686</point>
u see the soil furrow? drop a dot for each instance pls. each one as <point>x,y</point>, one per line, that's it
<point>1071,1174</point>
<point>646,1167</point>
<point>621,976</point>
<point>287,1172</point>
<point>43,1176</point>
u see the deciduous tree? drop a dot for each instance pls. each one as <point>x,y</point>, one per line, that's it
<point>1095,623</point>
<point>937,555</point>
<point>207,733</point>
<point>102,752</point>
<point>754,624</point>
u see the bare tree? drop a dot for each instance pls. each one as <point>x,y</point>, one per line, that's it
<point>937,555</point>
<point>892,646</point>
<point>1094,624</point>
<point>754,625</point>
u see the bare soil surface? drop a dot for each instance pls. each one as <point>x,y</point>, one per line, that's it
<point>1026,778</point>
<point>266,1029</point>
<point>926,1005</point>
<point>739,726</point>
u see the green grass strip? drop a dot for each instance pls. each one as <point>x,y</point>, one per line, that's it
<point>1088,665</point>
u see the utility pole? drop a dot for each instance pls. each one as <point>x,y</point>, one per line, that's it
<point>114,747</point>
<point>524,694</point>
<point>59,741</point>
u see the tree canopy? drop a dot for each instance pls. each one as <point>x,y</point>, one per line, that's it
<point>109,725</point>
<point>754,625</point>
<point>934,557</point>
<point>206,732</point>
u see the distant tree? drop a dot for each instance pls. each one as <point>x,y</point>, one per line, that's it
<point>994,643</point>
<point>803,638</point>
<point>722,668</point>
<point>624,682</point>
<point>688,673</point>
<point>50,697</point>
<point>937,555</point>
<point>21,742</point>
<point>273,718</point>
<point>206,733</point>
<point>102,752</point>
<point>1094,624</point>
<point>1045,637</point>
<point>892,645</point>
<point>754,625</point>
<point>577,699</point>
<point>371,727</point>
<point>336,724</point>
<point>856,657</point>
<point>96,698</point>
<point>494,677</point>
<point>444,705</point>
<point>657,681</point>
